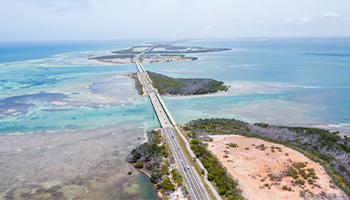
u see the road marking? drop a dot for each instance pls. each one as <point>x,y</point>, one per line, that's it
<point>168,130</point>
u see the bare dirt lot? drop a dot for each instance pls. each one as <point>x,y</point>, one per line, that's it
<point>261,168</point>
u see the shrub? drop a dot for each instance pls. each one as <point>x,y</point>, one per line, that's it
<point>233,145</point>
<point>139,165</point>
<point>167,184</point>
<point>210,177</point>
<point>300,182</point>
<point>261,147</point>
<point>194,142</point>
<point>286,188</point>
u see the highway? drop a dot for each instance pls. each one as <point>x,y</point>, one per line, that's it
<point>166,121</point>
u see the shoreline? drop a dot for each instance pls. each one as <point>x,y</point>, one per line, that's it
<point>236,89</point>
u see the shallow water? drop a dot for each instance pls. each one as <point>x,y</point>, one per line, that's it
<point>67,125</point>
<point>68,121</point>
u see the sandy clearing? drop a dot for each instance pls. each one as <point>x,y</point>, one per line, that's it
<point>253,165</point>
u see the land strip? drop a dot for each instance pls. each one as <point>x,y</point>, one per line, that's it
<point>192,182</point>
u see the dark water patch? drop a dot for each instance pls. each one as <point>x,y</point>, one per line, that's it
<point>48,97</point>
<point>38,81</point>
<point>329,54</point>
<point>21,104</point>
<point>56,109</point>
<point>71,127</point>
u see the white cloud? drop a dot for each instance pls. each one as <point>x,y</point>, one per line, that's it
<point>296,19</point>
<point>330,15</point>
<point>305,20</point>
<point>111,19</point>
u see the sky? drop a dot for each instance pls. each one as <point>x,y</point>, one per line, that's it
<point>25,20</point>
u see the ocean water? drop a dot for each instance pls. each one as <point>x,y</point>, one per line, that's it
<point>69,121</point>
<point>298,82</point>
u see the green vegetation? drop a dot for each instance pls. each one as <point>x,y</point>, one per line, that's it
<point>261,147</point>
<point>322,146</point>
<point>299,182</point>
<point>182,86</point>
<point>216,172</point>
<point>167,184</point>
<point>129,172</point>
<point>138,85</point>
<point>292,172</point>
<point>154,156</point>
<point>177,177</point>
<point>233,145</point>
<point>139,165</point>
<point>286,188</point>
<point>169,49</point>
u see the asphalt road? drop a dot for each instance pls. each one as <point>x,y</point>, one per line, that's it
<point>195,190</point>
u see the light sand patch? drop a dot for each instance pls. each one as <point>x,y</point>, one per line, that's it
<point>252,167</point>
<point>59,103</point>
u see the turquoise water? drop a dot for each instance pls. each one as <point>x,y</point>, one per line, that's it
<point>310,76</point>
<point>51,87</point>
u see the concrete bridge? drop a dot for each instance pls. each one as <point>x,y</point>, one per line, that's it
<point>167,122</point>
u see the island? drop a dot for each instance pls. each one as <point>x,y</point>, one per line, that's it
<point>158,53</point>
<point>168,48</point>
<point>181,86</point>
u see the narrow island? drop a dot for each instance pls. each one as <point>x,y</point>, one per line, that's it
<point>159,53</point>
<point>168,48</point>
<point>180,86</point>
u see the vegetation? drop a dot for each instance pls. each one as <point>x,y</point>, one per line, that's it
<point>154,156</point>
<point>286,188</point>
<point>182,86</point>
<point>233,145</point>
<point>138,85</point>
<point>167,184</point>
<point>177,177</point>
<point>168,48</point>
<point>261,147</point>
<point>139,165</point>
<point>216,172</point>
<point>323,146</point>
